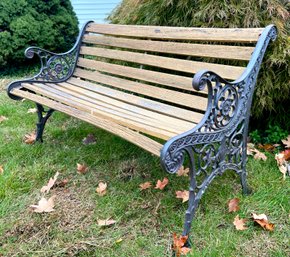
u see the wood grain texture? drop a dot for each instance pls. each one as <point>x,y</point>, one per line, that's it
<point>188,49</point>
<point>171,96</point>
<point>174,81</point>
<point>139,101</point>
<point>126,133</point>
<point>248,35</point>
<point>191,67</point>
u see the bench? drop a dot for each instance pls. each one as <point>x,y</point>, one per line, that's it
<point>136,82</point>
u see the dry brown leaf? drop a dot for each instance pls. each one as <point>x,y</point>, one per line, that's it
<point>107,222</point>
<point>178,245</point>
<point>82,168</point>
<point>262,220</point>
<point>89,139</point>
<point>161,184</point>
<point>184,195</point>
<point>62,183</point>
<point>145,185</point>
<point>1,170</point>
<point>283,170</point>
<point>30,138</point>
<point>3,118</point>
<point>280,158</point>
<point>267,147</point>
<point>286,142</point>
<point>233,205</point>
<point>240,224</point>
<point>182,172</point>
<point>260,156</point>
<point>44,205</point>
<point>184,250</point>
<point>32,110</point>
<point>101,189</point>
<point>50,184</point>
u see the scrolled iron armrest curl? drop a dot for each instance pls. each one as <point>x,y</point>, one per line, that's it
<point>55,67</point>
<point>173,152</point>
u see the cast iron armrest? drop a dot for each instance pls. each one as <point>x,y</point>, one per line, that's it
<point>55,67</point>
<point>220,137</point>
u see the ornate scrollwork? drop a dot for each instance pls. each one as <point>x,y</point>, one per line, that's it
<point>55,67</point>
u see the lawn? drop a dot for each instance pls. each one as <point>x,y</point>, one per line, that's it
<point>145,219</point>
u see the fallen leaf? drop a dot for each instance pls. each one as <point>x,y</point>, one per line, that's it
<point>267,147</point>
<point>260,156</point>
<point>184,195</point>
<point>82,168</point>
<point>145,185</point>
<point>262,220</point>
<point>50,184</point>
<point>280,158</point>
<point>182,172</point>
<point>178,245</point>
<point>1,170</point>
<point>161,184</point>
<point>233,205</point>
<point>89,139</point>
<point>287,154</point>
<point>240,224</point>
<point>62,183</point>
<point>286,142</point>
<point>184,250</point>
<point>30,138</point>
<point>102,189</point>
<point>44,205</point>
<point>107,222</point>
<point>283,170</point>
<point>32,110</point>
<point>3,118</point>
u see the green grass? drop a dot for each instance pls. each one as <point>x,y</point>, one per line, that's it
<point>145,220</point>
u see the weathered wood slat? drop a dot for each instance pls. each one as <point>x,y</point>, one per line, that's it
<point>179,98</point>
<point>134,137</point>
<point>161,78</point>
<point>226,71</point>
<point>139,101</point>
<point>110,106</point>
<point>202,50</point>
<point>109,115</point>
<point>248,35</point>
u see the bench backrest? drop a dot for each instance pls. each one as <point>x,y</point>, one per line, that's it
<point>157,63</point>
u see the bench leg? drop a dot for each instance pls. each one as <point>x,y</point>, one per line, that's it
<point>42,119</point>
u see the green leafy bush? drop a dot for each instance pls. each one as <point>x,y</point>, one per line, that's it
<point>272,135</point>
<point>271,102</point>
<point>48,24</point>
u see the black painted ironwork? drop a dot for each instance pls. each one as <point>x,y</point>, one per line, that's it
<point>55,67</point>
<point>43,116</point>
<point>218,142</point>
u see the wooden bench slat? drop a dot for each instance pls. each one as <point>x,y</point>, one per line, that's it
<point>226,71</point>
<point>161,78</point>
<point>123,120</point>
<point>110,105</point>
<point>247,35</point>
<point>179,98</point>
<point>139,101</point>
<point>202,50</point>
<point>169,122</point>
<point>134,137</point>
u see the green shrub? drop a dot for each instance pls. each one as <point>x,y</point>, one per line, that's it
<point>47,24</point>
<point>271,102</point>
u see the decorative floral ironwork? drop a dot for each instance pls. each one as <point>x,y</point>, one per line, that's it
<point>218,142</point>
<point>55,67</point>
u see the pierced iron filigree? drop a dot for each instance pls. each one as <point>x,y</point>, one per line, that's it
<point>55,67</point>
<point>218,142</point>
